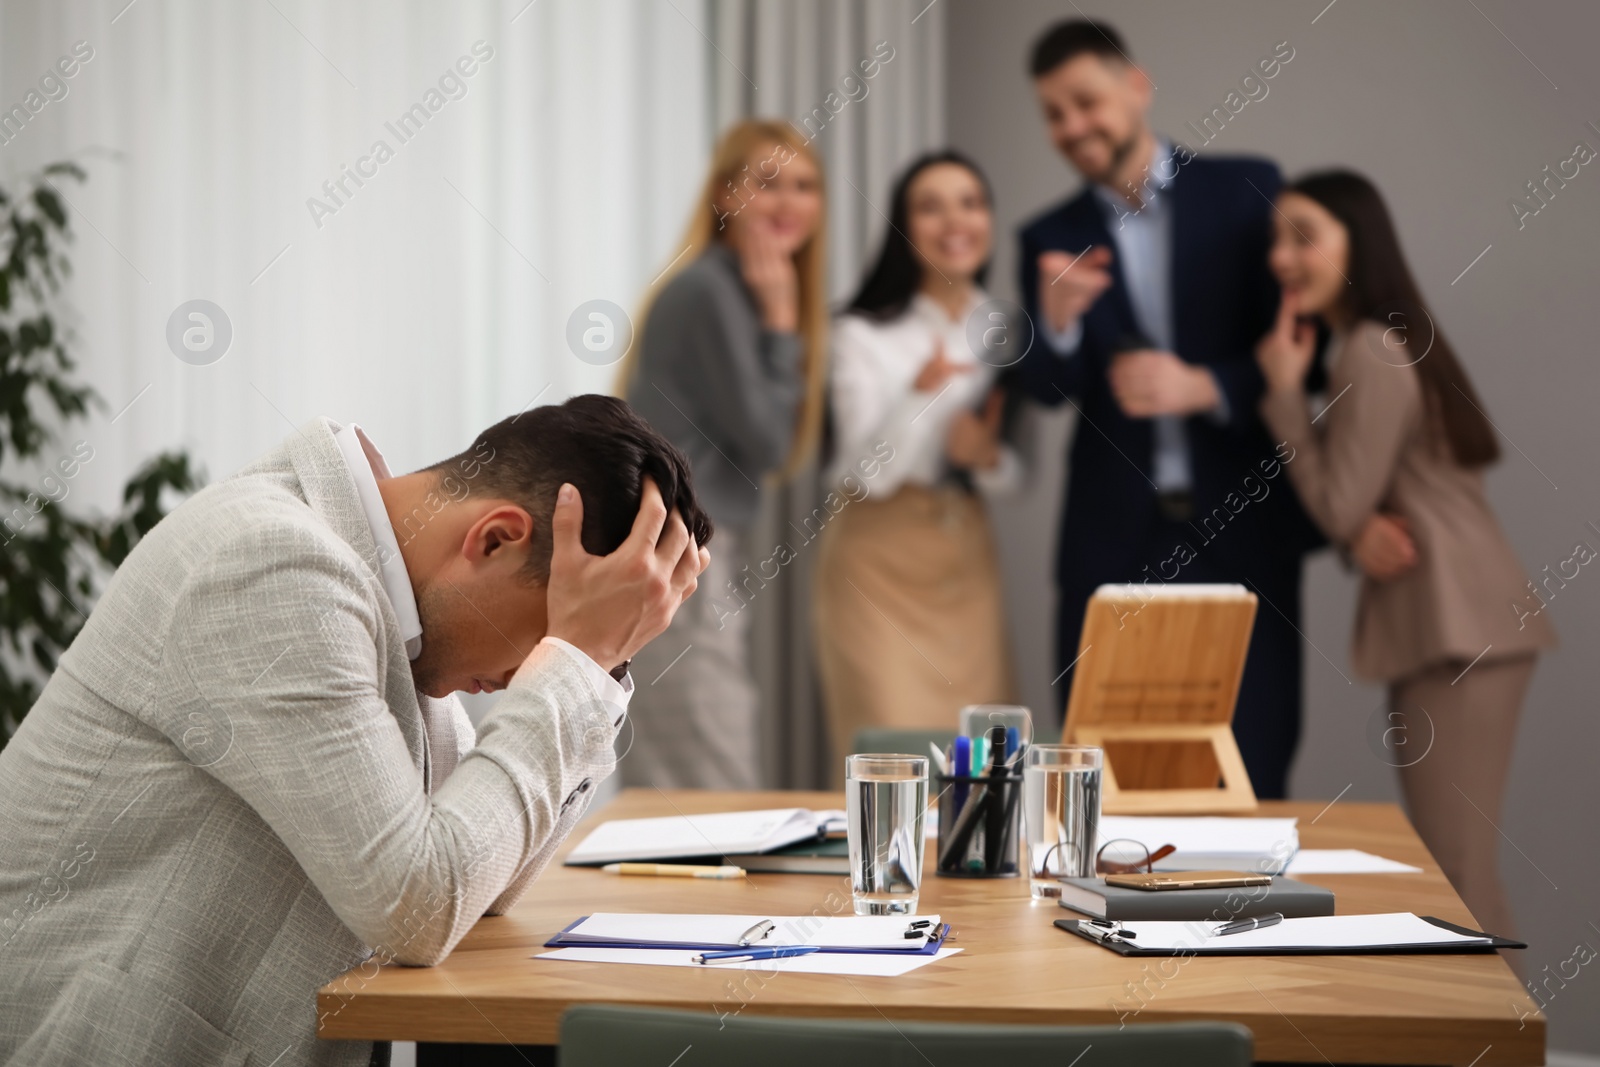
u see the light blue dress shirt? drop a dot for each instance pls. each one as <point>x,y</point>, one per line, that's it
<point>1142,240</point>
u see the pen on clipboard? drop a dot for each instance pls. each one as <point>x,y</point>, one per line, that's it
<point>1105,930</point>
<point>1239,926</point>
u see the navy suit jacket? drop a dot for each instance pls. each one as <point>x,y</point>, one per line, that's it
<point>1247,525</point>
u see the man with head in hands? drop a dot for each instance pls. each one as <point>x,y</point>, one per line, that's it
<point>1148,291</point>
<point>250,772</point>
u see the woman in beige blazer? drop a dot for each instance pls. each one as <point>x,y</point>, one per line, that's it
<point>1391,469</point>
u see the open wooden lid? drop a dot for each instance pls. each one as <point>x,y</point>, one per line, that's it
<point>1161,654</point>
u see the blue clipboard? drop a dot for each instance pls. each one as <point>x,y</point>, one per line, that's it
<point>929,948</point>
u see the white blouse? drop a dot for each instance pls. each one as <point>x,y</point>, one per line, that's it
<point>871,389</point>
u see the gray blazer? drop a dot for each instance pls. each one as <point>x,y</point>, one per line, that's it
<point>218,803</point>
<point>718,384</point>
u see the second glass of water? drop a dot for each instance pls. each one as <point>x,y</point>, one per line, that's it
<point>1060,813</point>
<point>885,799</point>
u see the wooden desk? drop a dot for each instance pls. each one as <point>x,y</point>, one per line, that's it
<point>1016,967</point>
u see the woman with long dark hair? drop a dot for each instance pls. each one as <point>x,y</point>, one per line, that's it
<point>910,625</point>
<point>1396,459</point>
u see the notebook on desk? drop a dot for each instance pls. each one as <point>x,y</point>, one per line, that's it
<point>811,856</point>
<point>694,837</point>
<point>1285,896</point>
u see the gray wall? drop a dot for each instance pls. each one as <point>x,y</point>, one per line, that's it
<point>1450,119</point>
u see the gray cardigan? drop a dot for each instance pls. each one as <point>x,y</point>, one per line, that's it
<point>719,385</point>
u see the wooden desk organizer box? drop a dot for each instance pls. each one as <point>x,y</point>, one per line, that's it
<point>1157,676</point>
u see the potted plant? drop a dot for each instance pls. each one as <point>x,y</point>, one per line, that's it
<point>51,559</point>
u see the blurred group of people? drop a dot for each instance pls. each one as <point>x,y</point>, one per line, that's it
<point>1214,328</point>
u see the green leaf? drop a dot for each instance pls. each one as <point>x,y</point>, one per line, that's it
<point>50,204</point>
<point>52,560</point>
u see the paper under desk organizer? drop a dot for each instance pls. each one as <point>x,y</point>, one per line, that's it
<point>1155,684</point>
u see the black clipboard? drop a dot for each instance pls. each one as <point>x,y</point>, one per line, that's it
<point>1124,947</point>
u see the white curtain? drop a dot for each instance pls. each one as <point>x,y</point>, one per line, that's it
<point>802,61</point>
<point>434,299</point>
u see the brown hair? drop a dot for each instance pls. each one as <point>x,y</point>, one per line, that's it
<point>1381,284</point>
<point>731,156</point>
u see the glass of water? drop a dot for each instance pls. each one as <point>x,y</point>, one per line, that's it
<point>885,798</point>
<point>1060,813</point>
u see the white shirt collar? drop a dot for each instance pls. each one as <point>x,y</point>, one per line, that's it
<point>366,467</point>
<point>924,304</point>
<point>1153,186</point>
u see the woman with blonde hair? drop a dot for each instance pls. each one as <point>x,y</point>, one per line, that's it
<point>730,366</point>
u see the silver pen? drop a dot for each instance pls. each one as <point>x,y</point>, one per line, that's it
<point>1105,930</point>
<point>1239,926</point>
<point>756,933</point>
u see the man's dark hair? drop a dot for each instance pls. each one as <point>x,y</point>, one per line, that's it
<point>1072,38</point>
<point>597,443</point>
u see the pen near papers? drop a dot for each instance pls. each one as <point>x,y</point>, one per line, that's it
<point>1239,926</point>
<point>1105,929</point>
<point>778,953</point>
<point>674,870</point>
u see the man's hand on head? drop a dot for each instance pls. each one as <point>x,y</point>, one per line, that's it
<point>612,606</point>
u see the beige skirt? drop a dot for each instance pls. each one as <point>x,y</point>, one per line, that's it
<point>910,625</point>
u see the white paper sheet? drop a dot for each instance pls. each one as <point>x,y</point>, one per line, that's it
<point>885,932</point>
<point>1205,833</point>
<point>862,964</point>
<point>1345,861</point>
<point>1325,931</point>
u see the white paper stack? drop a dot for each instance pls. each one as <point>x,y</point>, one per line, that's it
<point>855,965</point>
<point>882,946</point>
<point>857,933</point>
<point>1209,843</point>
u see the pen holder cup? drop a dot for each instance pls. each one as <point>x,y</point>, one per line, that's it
<point>980,822</point>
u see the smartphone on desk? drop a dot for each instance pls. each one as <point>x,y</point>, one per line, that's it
<point>1187,880</point>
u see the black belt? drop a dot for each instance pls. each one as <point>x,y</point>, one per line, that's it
<point>1175,505</point>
